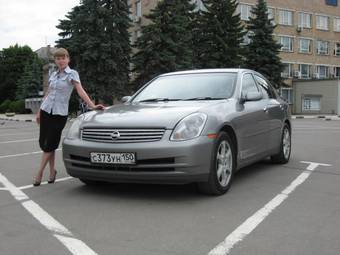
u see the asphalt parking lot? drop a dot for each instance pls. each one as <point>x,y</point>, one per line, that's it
<point>270,209</point>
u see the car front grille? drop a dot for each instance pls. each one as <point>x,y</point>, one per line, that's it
<point>122,135</point>
<point>143,165</point>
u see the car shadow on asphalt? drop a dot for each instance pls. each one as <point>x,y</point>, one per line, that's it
<point>165,192</point>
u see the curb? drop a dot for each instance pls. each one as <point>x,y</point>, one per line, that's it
<point>28,120</point>
<point>11,119</point>
<point>321,117</point>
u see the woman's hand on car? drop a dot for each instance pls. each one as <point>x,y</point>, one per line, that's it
<point>99,107</point>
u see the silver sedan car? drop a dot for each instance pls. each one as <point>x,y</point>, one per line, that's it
<point>196,126</point>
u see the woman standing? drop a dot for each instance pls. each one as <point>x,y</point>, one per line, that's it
<point>53,112</point>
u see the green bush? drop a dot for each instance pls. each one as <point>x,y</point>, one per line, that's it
<point>13,106</point>
<point>5,106</point>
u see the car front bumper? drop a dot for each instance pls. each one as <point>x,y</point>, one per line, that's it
<point>163,161</point>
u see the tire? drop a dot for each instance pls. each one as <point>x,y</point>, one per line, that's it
<point>219,183</point>
<point>89,182</point>
<point>285,147</point>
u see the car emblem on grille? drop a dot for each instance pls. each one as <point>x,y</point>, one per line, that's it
<point>115,135</point>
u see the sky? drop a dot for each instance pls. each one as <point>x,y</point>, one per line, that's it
<point>32,22</point>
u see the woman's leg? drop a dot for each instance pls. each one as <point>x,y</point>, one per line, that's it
<point>44,159</point>
<point>52,163</point>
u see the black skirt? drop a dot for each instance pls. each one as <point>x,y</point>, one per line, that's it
<point>51,127</point>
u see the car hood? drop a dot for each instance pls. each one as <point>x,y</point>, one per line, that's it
<point>160,114</point>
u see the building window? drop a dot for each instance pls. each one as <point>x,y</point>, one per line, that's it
<point>337,71</point>
<point>305,46</point>
<point>322,22</point>
<point>286,43</point>
<point>311,103</point>
<point>285,17</point>
<point>304,71</point>
<point>139,8</point>
<point>322,72</point>
<point>245,11</point>
<point>305,20</point>
<point>287,71</point>
<point>337,49</point>
<point>271,15</point>
<point>337,24</point>
<point>332,2</point>
<point>287,94</point>
<point>322,48</point>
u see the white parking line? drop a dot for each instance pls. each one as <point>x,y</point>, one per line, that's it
<point>44,183</point>
<point>44,218</point>
<point>24,140</point>
<point>19,141</point>
<point>75,246</point>
<point>252,222</point>
<point>21,133</point>
<point>23,154</point>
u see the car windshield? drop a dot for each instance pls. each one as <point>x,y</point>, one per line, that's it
<point>203,86</point>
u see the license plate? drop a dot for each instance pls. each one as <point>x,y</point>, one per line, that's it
<point>113,158</point>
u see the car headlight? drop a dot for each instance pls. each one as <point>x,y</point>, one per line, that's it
<point>190,127</point>
<point>73,132</point>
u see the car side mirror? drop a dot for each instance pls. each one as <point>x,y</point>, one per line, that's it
<point>251,96</point>
<point>126,99</point>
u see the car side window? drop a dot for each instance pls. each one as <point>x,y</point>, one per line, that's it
<point>265,87</point>
<point>248,84</point>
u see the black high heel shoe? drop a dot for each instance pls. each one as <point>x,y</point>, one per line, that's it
<point>36,183</point>
<point>52,180</point>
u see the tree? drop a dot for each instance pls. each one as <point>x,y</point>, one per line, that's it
<point>31,81</point>
<point>12,64</point>
<point>218,35</point>
<point>166,43</point>
<point>262,52</point>
<point>96,34</point>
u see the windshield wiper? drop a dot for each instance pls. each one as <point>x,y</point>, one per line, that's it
<point>203,98</point>
<point>158,100</point>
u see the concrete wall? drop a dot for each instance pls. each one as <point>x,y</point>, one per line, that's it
<point>327,90</point>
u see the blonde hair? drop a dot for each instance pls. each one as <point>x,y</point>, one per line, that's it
<point>61,52</point>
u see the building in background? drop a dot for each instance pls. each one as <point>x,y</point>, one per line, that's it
<point>309,31</point>
<point>321,97</point>
<point>46,55</point>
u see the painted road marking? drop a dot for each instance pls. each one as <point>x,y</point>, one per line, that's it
<point>21,133</point>
<point>23,154</point>
<point>23,140</point>
<point>44,183</point>
<point>253,221</point>
<point>75,246</point>
<point>44,218</point>
<point>19,141</point>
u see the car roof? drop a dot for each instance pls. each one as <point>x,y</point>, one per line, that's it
<point>216,70</point>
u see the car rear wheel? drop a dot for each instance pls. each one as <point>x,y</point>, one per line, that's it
<point>222,167</point>
<point>285,148</point>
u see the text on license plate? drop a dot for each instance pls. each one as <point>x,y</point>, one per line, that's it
<point>113,158</point>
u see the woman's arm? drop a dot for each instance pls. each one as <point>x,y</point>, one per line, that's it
<point>82,93</point>
<point>37,118</point>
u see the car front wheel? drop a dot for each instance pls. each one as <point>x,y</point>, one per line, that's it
<point>222,167</point>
